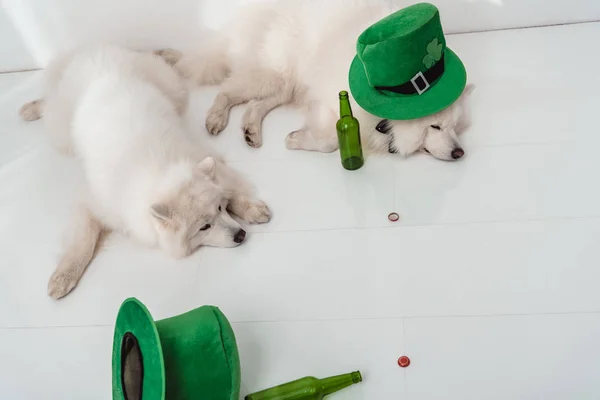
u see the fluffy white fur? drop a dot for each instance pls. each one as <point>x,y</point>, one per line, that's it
<point>299,52</point>
<point>118,111</point>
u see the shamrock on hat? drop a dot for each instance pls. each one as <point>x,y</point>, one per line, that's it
<point>434,53</point>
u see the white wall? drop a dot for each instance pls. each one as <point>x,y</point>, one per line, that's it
<point>13,52</point>
<point>482,15</point>
<point>32,31</point>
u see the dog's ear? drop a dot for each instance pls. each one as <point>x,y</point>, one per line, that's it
<point>164,215</point>
<point>161,212</point>
<point>207,167</point>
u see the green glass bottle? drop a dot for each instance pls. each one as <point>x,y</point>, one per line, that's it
<point>348,131</point>
<point>308,388</point>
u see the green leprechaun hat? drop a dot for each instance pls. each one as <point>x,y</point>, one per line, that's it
<point>403,69</point>
<point>190,356</point>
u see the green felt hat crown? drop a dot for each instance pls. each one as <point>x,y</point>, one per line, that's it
<point>190,356</point>
<point>403,69</point>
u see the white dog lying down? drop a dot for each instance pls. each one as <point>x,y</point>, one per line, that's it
<point>118,111</point>
<point>299,52</point>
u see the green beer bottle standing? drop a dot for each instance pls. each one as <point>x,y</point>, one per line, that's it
<point>348,131</point>
<point>308,388</point>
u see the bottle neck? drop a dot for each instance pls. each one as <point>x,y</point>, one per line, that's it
<point>345,109</point>
<point>335,383</point>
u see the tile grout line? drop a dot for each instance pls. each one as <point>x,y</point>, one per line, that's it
<point>15,328</point>
<point>381,156</point>
<point>325,320</point>
<point>433,224</point>
<point>197,274</point>
<point>518,28</point>
<point>415,317</point>
<point>18,71</point>
<point>405,352</point>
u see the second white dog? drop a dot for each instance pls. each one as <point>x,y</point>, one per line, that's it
<point>299,52</point>
<point>118,111</point>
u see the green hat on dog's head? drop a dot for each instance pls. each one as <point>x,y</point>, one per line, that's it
<point>190,356</point>
<point>403,69</point>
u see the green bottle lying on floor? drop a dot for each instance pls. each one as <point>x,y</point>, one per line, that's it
<point>307,388</point>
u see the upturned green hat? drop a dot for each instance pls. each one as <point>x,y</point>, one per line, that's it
<point>189,356</point>
<point>403,69</point>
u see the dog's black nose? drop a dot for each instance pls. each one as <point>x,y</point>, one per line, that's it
<point>457,153</point>
<point>239,236</point>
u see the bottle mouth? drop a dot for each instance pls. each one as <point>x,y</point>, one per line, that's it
<point>343,93</point>
<point>356,377</point>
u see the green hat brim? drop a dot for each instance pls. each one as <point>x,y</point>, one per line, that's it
<point>135,318</point>
<point>445,91</point>
<point>191,355</point>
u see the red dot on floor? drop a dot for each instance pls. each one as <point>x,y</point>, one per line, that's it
<point>404,361</point>
<point>393,216</point>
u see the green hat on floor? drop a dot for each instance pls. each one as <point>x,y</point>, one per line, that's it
<point>189,356</point>
<point>403,69</point>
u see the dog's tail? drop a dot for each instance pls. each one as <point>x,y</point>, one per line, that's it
<point>32,110</point>
<point>209,65</point>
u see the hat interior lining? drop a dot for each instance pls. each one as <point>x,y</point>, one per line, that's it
<point>132,367</point>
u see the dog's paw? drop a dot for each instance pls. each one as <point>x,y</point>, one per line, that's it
<point>60,284</point>
<point>304,140</point>
<point>252,124</point>
<point>170,56</point>
<point>216,120</point>
<point>252,137</point>
<point>293,141</point>
<point>256,212</point>
<point>31,111</point>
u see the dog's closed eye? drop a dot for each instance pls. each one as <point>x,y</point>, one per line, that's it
<point>436,127</point>
<point>205,227</point>
<point>384,126</point>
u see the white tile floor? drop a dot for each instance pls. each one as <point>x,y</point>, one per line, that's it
<point>489,281</point>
